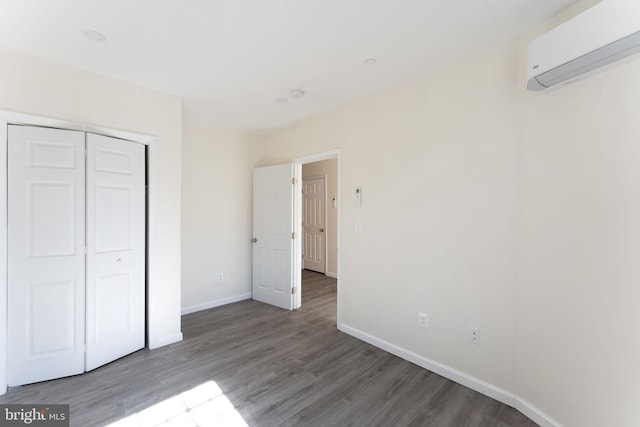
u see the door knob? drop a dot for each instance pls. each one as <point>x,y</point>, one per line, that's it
<point>254,240</point>
<point>322,230</point>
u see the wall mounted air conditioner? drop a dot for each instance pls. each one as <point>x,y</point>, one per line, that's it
<point>603,34</point>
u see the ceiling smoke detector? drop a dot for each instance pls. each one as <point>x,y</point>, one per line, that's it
<point>297,93</point>
<point>369,62</point>
<point>94,36</point>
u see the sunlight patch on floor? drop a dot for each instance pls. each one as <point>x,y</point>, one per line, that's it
<point>204,405</point>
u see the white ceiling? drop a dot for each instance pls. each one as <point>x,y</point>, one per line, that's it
<point>231,59</point>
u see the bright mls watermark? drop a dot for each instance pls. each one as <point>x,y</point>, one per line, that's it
<point>34,415</point>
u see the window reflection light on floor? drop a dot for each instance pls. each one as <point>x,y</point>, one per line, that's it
<point>204,405</point>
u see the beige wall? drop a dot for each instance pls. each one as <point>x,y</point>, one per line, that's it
<point>436,161</point>
<point>488,206</point>
<point>330,169</point>
<point>39,87</point>
<point>578,271</point>
<point>217,187</point>
<point>577,257</point>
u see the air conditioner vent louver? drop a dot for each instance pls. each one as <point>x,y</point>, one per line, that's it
<point>604,34</point>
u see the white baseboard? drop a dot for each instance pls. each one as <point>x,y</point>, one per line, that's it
<point>466,380</point>
<point>454,375</point>
<point>535,414</point>
<point>216,303</point>
<point>332,275</point>
<point>162,341</point>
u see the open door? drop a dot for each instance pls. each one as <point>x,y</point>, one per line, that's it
<point>274,236</point>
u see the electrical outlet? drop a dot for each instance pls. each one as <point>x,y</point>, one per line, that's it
<point>474,335</point>
<point>220,277</point>
<point>423,320</point>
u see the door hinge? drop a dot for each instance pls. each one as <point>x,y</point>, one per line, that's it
<point>293,290</point>
<point>293,235</point>
<point>293,180</point>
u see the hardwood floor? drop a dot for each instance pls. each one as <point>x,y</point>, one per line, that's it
<point>277,368</point>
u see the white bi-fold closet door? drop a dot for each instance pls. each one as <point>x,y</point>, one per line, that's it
<point>76,244</point>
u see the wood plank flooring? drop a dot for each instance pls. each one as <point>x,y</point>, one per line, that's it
<point>277,368</point>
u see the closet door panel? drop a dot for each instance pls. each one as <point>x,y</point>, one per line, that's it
<point>46,259</point>
<point>115,249</point>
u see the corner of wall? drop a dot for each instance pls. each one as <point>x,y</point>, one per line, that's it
<point>258,149</point>
<point>535,414</point>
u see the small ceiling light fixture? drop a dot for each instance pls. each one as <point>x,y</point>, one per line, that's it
<point>282,100</point>
<point>297,93</point>
<point>94,36</point>
<point>369,62</point>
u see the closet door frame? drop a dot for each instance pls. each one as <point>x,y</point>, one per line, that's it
<point>12,118</point>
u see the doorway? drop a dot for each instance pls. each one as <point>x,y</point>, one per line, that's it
<point>326,163</point>
<point>277,227</point>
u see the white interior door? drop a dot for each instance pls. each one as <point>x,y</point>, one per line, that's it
<point>273,190</point>
<point>314,224</point>
<point>46,258</point>
<point>115,249</point>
